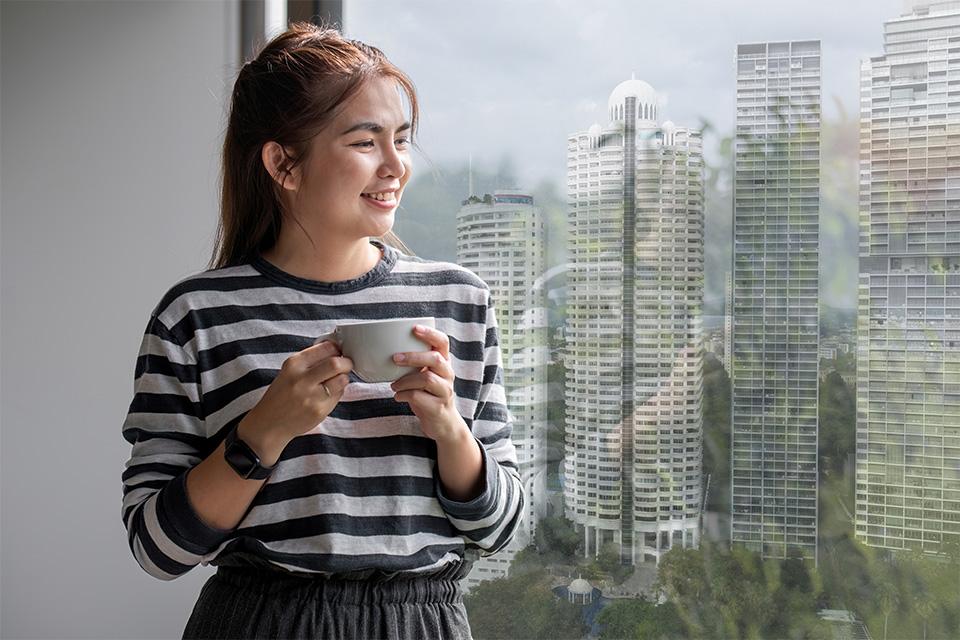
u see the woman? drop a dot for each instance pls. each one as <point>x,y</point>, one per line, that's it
<point>331,508</point>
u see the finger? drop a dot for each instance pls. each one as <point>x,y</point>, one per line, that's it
<point>337,383</point>
<point>418,396</point>
<point>413,380</point>
<point>330,368</point>
<point>424,381</point>
<point>320,351</point>
<point>433,360</point>
<point>434,338</point>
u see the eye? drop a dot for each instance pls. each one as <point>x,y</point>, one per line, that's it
<point>364,143</point>
<point>402,142</point>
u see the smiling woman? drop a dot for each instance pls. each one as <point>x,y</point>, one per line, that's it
<point>348,187</point>
<point>287,112</point>
<point>332,507</point>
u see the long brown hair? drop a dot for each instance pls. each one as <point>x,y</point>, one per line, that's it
<point>287,94</point>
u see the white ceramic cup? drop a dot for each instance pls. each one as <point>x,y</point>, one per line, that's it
<point>371,345</point>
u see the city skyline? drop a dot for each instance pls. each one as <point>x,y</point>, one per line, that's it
<point>782,123</point>
<point>564,81</point>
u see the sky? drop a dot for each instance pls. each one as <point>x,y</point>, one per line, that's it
<point>498,78</point>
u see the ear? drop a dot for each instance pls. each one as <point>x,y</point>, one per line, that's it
<point>277,161</point>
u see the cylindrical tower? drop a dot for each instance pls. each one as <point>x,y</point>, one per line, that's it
<point>632,473</point>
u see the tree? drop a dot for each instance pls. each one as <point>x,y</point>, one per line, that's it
<point>621,619</point>
<point>640,619</point>
<point>522,607</point>
<point>608,561</point>
<point>664,624</point>
<point>557,535</point>
<point>888,598</point>
<point>716,433</point>
<point>837,431</point>
<point>682,577</point>
<point>923,607</point>
<point>682,574</point>
<point>794,575</point>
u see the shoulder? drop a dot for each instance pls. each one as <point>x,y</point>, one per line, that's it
<point>200,290</point>
<point>420,272</point>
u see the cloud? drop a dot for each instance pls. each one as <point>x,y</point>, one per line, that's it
<point>517,77</point>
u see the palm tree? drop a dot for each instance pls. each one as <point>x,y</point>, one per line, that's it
<point>887,599</point>
<point>923,607</point>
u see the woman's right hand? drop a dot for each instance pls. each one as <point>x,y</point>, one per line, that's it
<point>304,393</point>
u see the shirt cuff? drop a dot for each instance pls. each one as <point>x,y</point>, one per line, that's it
<point>481,506</point>
<point>192,533</point>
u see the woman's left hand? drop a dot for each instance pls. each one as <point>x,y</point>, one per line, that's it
<point>429,391</point>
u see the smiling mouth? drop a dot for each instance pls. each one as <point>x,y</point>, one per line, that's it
<point>381,196</point>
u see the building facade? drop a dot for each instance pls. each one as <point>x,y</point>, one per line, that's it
<point>774,363</point>
<point>634,361</point>
<point>908,346</point>
<point>727,321</point>
<point>501,239</point>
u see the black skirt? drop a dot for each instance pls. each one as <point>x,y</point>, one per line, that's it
<point>240,602</point>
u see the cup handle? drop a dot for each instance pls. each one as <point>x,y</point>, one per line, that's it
<point>332,337</point>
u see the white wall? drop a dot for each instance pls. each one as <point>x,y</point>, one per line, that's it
<point>111,117</point>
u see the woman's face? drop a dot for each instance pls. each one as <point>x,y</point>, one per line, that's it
<point>358,166</point>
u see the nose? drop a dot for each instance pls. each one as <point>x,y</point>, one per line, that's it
<point>391,165</point>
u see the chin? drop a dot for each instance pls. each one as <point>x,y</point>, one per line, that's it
<point>382,227</point>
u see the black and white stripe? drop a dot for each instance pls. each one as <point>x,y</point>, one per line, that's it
<point>359,491</point>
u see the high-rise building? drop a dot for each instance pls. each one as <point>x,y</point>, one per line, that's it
<point>501,239</point>
<point>727,321</point>
<point>775,299</point>
<point>908,342</point>
<point>634,361</point>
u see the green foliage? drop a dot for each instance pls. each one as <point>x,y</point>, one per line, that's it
<point>908,593</point>
<point>608,562</point>
<point>522,606</point>
<point>837,437</point>
<point>557,539</point>
<point>716,433</point>
<point>641,620</point>
<point>735,594</point>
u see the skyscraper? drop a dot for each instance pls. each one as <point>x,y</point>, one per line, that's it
<point>632,471</point>
<point>775,299</point>
<point>908,354</point>
<point>501,239</point>
<point>727,321</point>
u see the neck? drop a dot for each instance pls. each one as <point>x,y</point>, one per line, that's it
<point>325,262</point>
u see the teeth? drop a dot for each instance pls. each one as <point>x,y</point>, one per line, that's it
<point>381,196</point>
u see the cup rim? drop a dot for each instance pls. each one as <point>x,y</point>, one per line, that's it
<point>385,321</point>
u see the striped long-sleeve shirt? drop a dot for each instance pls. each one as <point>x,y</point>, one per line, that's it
<point>358,494</point>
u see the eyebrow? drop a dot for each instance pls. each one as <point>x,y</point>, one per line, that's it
<point>374,127</point>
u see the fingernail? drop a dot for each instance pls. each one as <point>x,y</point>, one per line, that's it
<point>400,357</point>
<point>420,328</point>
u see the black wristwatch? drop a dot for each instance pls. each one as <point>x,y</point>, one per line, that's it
<point>243,459</point>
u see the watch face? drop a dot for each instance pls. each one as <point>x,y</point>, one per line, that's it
<point>241,458</point>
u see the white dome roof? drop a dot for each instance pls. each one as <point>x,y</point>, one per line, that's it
<point>580,587</point>
<point>639,89</point>
<point>594,129</point>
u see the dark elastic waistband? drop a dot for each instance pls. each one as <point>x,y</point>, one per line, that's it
<point>393,589</point>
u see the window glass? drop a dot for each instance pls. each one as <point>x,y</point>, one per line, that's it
<point>724,244</point>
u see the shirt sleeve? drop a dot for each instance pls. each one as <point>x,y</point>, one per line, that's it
<point>490,520</point>
<point>165,426</point>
